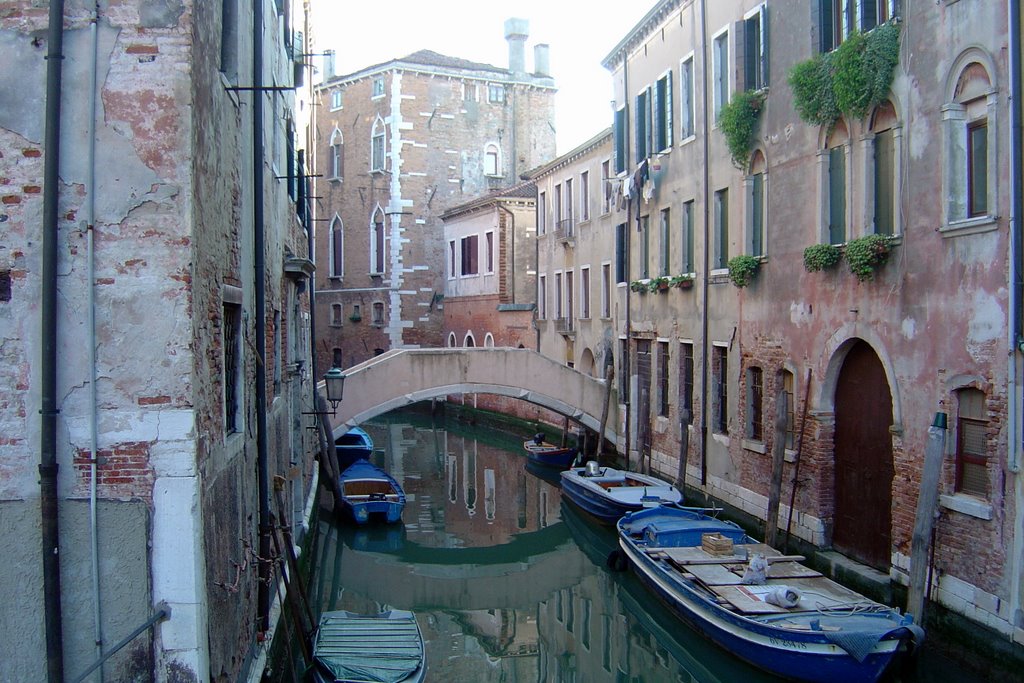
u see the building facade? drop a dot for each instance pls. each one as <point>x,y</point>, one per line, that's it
<point>398,144</point>
<point>852,273</point>
<point>155,371</point>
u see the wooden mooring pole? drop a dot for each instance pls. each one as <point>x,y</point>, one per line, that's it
<point>924,521</point>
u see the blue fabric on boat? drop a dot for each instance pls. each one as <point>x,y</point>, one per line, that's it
<point>859,644</point>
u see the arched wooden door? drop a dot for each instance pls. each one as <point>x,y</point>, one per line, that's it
<point>863,459</point>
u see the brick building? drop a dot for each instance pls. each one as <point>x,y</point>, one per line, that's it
<point>859,356</point>
<point>155,370</point>
<point>398,144</point>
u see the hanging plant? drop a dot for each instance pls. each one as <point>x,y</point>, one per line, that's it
<point>738,120</point>
<point>851,80</point>
<point>639,286</point>
<point>658,284</point>
<point>743,268</point>
<point>867,254</point>
<point>681,281</point>
<point>821,256</point>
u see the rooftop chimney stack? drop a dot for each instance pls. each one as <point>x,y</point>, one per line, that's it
<point>541,60</point>
<point>516,33</point>
<point>328,64</point>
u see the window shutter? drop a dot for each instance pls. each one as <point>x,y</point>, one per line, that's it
<point>826,21</point>
<point>744,75</point>
<point>764,46</point>
<point>669,106</point>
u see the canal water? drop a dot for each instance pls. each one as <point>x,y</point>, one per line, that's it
<point>507,580</point>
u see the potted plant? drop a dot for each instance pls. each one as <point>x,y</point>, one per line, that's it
<point>682,281</point>
<point>821,256</point>
<point>639,286</point>
<point>658,284</point>
<point>867,254</point>
<point>743,268</point>
<point>355,317</point>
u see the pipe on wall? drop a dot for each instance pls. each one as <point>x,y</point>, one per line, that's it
<point>707,253</point>
<point>48,501</point>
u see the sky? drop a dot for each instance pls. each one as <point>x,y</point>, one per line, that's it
<point>580,34</point>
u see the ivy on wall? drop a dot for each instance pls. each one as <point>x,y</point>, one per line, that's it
<point>738,119</point>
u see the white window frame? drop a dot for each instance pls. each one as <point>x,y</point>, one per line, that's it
<point>584,293</point>
<point>661,109</point>
<point>492,151</point>
<point>489,252</point>
<point>606,289</point>
<point>378,88</point>
<point>542,297</point>
<point>378,132</point>
<point>584,196</point>
<point>337,270</point>
<point>337,99</point>
<point>687,107</point>
<point>721,74</point>
<point>337,154</point>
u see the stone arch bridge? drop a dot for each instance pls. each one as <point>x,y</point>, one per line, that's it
<point>405,376</point>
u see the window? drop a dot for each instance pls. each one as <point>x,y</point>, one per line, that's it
<point>720,394</point>
<point>378,87</point>
<point>663,398</point>
<point>570,295</point>
<point>377,245</point>
<point>787,388</point>
<point>585,293</point>
<point>470,250</point>
<point>337,247</point>
<point>451,260</point>
<point>336,315</point>
<point>495,93</point>
<point>570,205</point>
<point>662,107</point>
<point>558,296</point>
<point>492,160</point>
<point>489,251</point>
<point>557,209</point>
<point>232,366</point>
<point>619,127</point>
<point>755,55</point>
<point>837,194</point>
<point>606,290</point>
<point>377,146</point>
<point>451,340</point>
<point>875,12</point>
<point>469,94</point>
<point>585,196</point>
<point>542,212</point>
<point>337,155</point>
<point>971,137</point>
<point>665,230</point>
<point>755,183</point>
<point>971,444</point>
<point>686,377</point>
<point>686,122</point>
<point>378,313</point>
<point>608,189</point>
<point>721,236</point>
<point>720,73</point>
<point>755,404</point>
<point>542,297</point>
<point>336,357</point>
<point>837,18</point>
<point>687,238</point>
<point>229,40</point>
<point>645,247</point>
<point>336,99</point>
<point>642,122</point>
<point>620,252</point>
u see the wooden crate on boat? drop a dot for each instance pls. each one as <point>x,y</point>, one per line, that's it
<point>716,544</point>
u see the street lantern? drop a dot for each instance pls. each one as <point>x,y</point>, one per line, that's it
<point>334,381</point>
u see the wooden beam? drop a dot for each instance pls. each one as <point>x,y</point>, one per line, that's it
<point>924,520</point>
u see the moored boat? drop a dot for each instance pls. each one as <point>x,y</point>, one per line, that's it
<point>385,647</point>
<point>791,622</point>
<point>608,493</point>
<point>368,492</point>
<point>353,445</point>
<point>540,452</point>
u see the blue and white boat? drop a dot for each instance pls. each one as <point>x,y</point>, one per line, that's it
<point>353,445</point>
<point>381,648</point>
<point>608,493</point>
<point>796,624</point>
<point>368,492</point>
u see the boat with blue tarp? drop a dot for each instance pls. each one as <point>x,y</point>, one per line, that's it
<point>377,648</point>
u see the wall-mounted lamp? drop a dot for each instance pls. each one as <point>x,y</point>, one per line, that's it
<point>334,381</point>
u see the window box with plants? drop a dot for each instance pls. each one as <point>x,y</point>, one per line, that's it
<point>640,286</point>
<point>682,281</point>
<point>743,269</point>
<point>867,254</point>
<point>355,317</point>
<point>658,284</point>
<point>821,257</point>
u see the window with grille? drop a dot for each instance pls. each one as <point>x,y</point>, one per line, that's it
<point>686,377</point>
<point>663,360</point>
<point>720,394</point>
<point>755,404</point>
<point>971,444</point>
<point>232,366</point>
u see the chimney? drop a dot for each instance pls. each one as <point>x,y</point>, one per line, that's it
<point>541,61</point>
<point>516,33</point>
<point>328,64</point>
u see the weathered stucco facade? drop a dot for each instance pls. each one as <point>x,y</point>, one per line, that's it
<point>157,438</point>
<point>398,144</point>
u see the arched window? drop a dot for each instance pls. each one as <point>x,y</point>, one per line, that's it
<point>378,243</point>
<point>336,237</point>
<point>452,342</point>
<point>756,185</point>
<point>377,145</point>
<point>489,341</point>
<point>469,341</point>
<point>970,127</point>
<point>883,170</point>
<point>337,155</point>
<point>832,164</point>
<point>492,160</point>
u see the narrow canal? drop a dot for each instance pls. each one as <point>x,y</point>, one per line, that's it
<point>507,580</point>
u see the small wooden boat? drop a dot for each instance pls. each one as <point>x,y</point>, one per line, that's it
<point>368,492</point>
<point>540,452</point>
<point>385,647</point>
<point>793,622</point>
<point>608,493</point>
<point>353,445</point>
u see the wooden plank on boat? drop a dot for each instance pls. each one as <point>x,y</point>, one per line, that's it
<point>693,555</point>
<point>731,574</point>
<point>748,599</point>
<point>823,592</point>
<point>790,570</point>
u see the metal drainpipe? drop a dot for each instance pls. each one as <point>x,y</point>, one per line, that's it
<point>48,501</point>
<point>627,257</point>
<point>263,464</point>
<point>90,219</point>
<point>707,254</point>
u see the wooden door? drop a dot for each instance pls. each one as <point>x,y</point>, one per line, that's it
<point>863,459</point>
<point>643,415</point>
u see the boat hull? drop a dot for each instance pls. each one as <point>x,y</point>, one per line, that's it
<point>353,445</point>
<point>369,493</point>
<point>603,498</point>
<point>351,647</point>
<point>547,455</point>
<point>803,655</point>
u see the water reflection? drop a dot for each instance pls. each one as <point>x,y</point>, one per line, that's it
<point>508,583</point>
